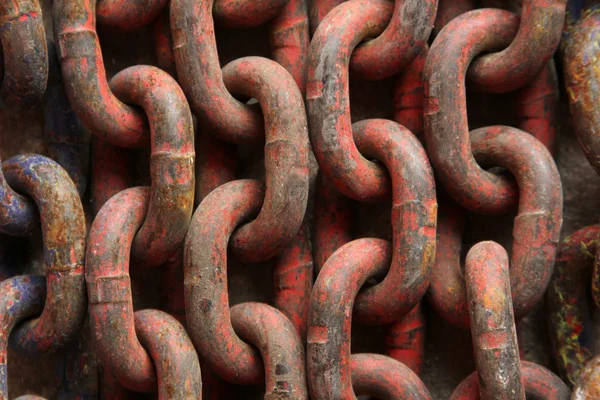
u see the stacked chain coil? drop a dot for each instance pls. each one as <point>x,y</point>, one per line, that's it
<point>283,199</point>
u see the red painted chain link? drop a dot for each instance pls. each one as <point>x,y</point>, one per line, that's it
<point>402,40</point>
<point>446,129</point>
<point>201,77</point>
<point>293,281</point>
<point>211,325</point>
<point>448,10</point>
<point>494,336</point>
<point>527,54</point>
<point>375,375</point>
<point>286,157</point>
<point>538,381</point>
<point>397,43</point>
<point>171,161</point>
<point>328,350</point>
<point>109,289</point>
<point>83,68</point>
<point>245,13</point>
<point>126,16</point>
<point>115,325</point>
<point>493,323</point>
<point>535,233</point>
<point>445,110</point>
<point>414,210</point>
<point>328,100</point>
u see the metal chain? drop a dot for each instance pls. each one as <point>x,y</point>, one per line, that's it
<point>192,115</point>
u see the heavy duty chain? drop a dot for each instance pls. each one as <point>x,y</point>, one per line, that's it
<point>232,185</point>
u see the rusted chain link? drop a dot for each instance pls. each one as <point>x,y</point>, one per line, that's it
<point>127,16</point>
<point>18,216</point>
<point>286,157</point>
<point>171,161</point>
<point>413,207</point>
<point>83,68</point>
<point>200,75</point>
<point>68,141</point>
<point>581,81</point>
<point>173,354</point>
<point>445,110</point>
<point>111,172</point>
<point>527,54</point>
<point>448,10</point>
<point>328,349</point>
<point>216,164</point>
<point>293,281</point>
<point>64,233</point>
<point>499,369</point>
<point>115,325</point>
<point>567,300</point>
<point>22,298</point>
<point>270,331</point>
<point>109,289</point>
<point>332,221</point>
<point>209,318</point>
<point>246,13</point>
<point>493,323</point>
<point>24,67</point>
<point>535,233</point>
<point>445,114</point>
<point>405,337</point>
<point>328,99</point>
<point>536,114</point>
<point>538,381</point>
<point>396,44</point>
<point>385,378</point>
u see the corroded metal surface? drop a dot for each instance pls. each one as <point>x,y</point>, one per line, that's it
<point>109,290</point>
<point>527,54</point>
<point>581,81</point>
<point>173,353</point>
<point>380,376</point>
<point>493,323</point>
<point>567,299</point>
<point>293,280</point>
<point>22,298</point>
<point>201,77</point>
<point>286,157</point>
<point>25,67</point>
<point>413,207</point>
<point>124,16</point>
<point>329,327</point>
<point>83,67</point>
<point>64,235</point>
<point>171,161</point>
<point>207,305</point>
<point>445,113</point>
<point>538,381</point>
<point>381,104</point>
<point>280,347</point>
<point>535,232</point>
